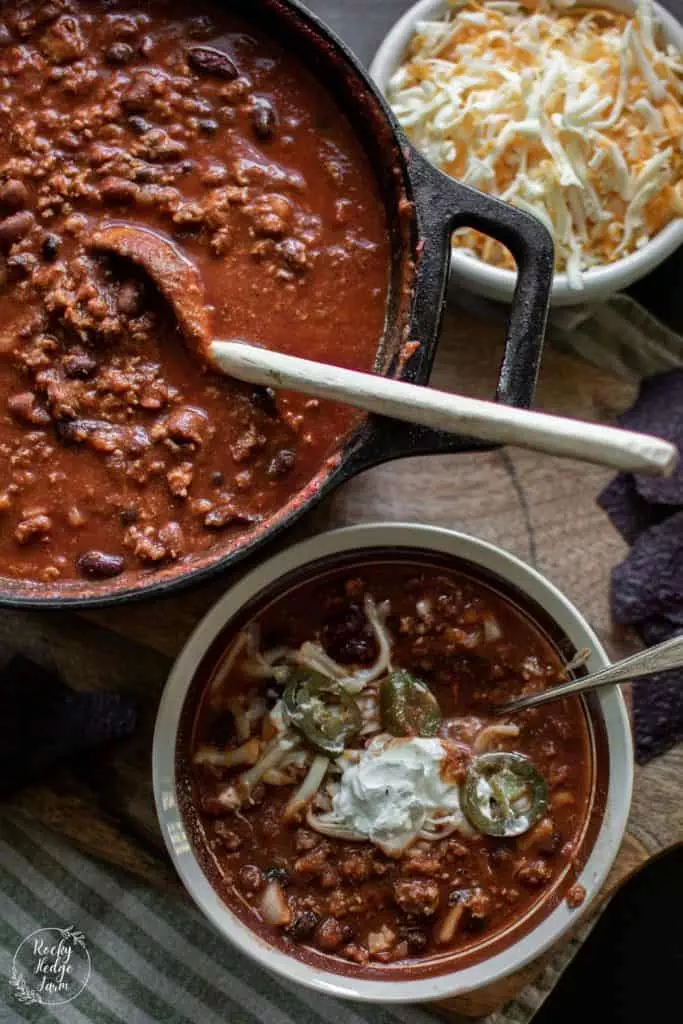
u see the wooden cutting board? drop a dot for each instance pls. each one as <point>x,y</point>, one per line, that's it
<point>540,508</point>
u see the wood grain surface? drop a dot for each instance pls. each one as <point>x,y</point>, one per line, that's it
<point>540,508</point>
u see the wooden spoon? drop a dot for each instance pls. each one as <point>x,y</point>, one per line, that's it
<point>180,283</point>
<point>488,421</point>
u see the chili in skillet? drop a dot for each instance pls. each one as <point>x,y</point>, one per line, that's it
<point>119,451</point>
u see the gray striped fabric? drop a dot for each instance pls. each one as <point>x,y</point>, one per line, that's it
<point>154,959</point>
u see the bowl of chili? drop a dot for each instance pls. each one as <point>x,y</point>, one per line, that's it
<point>337,792</point>
<point>246,140</point>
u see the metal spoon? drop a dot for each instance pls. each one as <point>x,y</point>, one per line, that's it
<point>644,663</point>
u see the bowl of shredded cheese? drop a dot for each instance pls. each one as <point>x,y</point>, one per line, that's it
<point>571,113</point>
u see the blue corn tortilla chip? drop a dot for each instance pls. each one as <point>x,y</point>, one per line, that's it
<point>628,511</point>
<point>658,410</point>
<point>657,700</point>
<point>656,630</point>
<point>43,722</point>
<point>650,579</point>
<point>657,714</point>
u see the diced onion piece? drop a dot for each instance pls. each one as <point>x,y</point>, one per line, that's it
<point>307,789</point>
<point>274,906</point>
<point>492,630</point>
<point>246,754</point>
<point>448,927</point>
<point>381,941</point>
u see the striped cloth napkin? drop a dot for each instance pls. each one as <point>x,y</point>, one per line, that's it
<point>152,957</point>
<point>143,956</point>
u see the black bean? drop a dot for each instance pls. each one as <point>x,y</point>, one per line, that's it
<point>264,119</point>
<point>303,925</point>
<point>208,126</point>
<point>210,61</point>
<point>119,53</point>
<point>265,401</point>
<point>459,896</point>
<point>98,565</point>
<point>251,878</point>
<point>138,124</point>
<point>417,940</point>
<point>50,247</point>
<point>217,479</point>
<point>274,873</point>
<point>281,463</point>
<point>128,516</point>
<point>347,636</point>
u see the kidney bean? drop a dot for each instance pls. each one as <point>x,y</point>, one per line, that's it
<point>98,565</point>
<point>14,228</point>
<point>210,61</point>
<point>14,194</point>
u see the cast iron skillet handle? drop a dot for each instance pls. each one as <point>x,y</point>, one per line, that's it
<point>443,205</point>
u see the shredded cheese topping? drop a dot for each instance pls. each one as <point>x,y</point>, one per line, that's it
<point>571,115</point>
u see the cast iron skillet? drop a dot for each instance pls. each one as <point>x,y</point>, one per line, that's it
<point>423,207</point>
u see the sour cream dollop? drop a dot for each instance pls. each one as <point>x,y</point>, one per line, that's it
<point>395,791</point>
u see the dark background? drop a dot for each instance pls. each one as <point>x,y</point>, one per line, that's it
<point>630,970</point>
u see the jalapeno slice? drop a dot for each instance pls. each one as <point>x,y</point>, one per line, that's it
<point>503,794</point>
<point>323,712</point>
<point>408,706</point>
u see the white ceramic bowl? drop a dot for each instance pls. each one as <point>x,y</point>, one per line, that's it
<point>495,282</point>
<point>607,710</point>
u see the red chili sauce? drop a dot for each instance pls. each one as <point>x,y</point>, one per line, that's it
<point>316,894</point>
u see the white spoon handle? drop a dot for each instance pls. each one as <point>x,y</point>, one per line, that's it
<point>487,421</point>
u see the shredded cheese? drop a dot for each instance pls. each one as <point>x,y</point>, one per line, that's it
<point>573,115</point>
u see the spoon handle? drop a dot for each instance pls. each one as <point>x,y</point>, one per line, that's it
<point>644,663</point>
<point>488,421</point>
